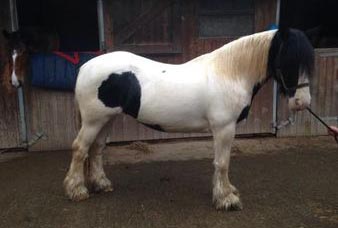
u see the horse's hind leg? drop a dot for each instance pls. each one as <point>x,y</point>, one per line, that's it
<point>225,195</point>
<point>74,182</point>
<point>97,178</point>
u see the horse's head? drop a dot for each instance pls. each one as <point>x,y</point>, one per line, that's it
<point>291,62</point>
<point>17,55</point>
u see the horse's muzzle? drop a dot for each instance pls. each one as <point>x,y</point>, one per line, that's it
<point>298,104</point>
<point>16,84</point>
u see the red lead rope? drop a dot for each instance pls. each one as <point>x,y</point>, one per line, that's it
<point>75,60</point>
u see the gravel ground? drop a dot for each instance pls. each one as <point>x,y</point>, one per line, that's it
<point>283,183</point>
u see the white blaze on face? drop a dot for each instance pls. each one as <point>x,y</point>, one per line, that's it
<point>14,79</point>
<point>302,98</point>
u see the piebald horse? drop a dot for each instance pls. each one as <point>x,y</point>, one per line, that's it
<point>210,93</point>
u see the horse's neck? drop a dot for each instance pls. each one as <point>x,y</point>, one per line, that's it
<point>244,59</point>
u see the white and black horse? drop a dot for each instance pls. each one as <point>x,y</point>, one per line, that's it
<point>210,93</point>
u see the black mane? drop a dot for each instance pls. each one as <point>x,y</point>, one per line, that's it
<point>290,52</point>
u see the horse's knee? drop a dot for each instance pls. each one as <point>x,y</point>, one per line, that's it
<point>80,153</point>
<point>221,164</point>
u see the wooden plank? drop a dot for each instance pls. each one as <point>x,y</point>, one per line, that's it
<point>142,20</point>
<point>144,27</point>
<point>9,120</point>
<point>265,14</point>
<point>53,114</point>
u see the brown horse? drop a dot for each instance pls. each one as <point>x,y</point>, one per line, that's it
<point>17,49</point>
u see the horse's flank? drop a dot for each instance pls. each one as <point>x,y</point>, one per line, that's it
<point>246,57</point>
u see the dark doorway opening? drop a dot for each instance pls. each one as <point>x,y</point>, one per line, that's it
<point>317,18</point>
<point>75,21</point>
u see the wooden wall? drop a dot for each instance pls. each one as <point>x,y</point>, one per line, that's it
<point>52,114</point>
<point>9,117</point>
<point>324,91</point>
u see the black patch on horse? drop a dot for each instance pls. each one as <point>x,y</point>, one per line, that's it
<point>290,52</point>
<point>245,112</point>
<point>121,90</point>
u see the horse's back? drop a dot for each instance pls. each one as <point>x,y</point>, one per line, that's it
<point>100,68</point>
<point>154,93</point>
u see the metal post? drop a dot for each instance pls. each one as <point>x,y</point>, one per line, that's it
<point>100,20</point>
<point>14,15</point>
<point>22,117</point>
<point>275,87</point>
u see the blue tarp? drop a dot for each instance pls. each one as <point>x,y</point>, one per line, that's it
<point>57,71</point>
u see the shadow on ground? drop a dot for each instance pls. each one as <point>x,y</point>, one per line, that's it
<point>296,187</point>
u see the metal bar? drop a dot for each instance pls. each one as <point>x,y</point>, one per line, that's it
<point>14,15</point>
<point>22,117</point>
<point>275,87</point>
<point>278,13</point>
<point>100,17</point>
<point>23,126</point>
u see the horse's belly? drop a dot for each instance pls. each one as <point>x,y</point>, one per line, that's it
<point>174,109</point>
<point>175,122</point>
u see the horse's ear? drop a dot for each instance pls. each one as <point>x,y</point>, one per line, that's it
<point>6,34</point>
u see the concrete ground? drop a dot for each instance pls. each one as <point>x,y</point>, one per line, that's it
<point>283,183</point>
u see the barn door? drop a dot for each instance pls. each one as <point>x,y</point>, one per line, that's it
<point>144,26</point>
<point>9,110</point>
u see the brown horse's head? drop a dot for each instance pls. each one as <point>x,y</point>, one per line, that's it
<point>15,60</point>
<point>19,45</point>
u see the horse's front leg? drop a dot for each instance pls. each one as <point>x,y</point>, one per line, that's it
<point>225,195</point>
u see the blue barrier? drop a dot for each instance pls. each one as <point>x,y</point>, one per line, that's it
<point>56,71</point>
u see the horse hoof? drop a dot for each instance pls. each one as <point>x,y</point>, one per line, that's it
<point>102,184</point>
<point>78,194</point>
<point>75,191</point>
<point>229,203</point>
